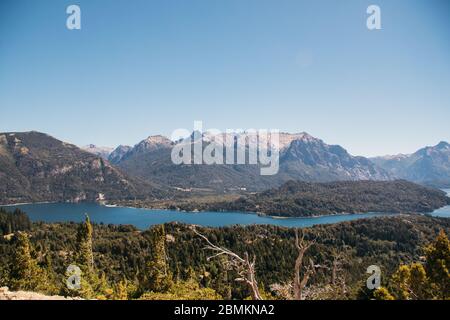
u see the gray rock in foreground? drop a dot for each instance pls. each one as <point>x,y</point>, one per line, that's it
<point>5,294</point>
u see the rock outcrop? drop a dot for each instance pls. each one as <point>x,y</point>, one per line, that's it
<point>5,294</point>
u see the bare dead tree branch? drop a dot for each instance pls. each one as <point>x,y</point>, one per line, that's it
<point>244,267</point>
<point>336,269</point>
<point>300,282</point>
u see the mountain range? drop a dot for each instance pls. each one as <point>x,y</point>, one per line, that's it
<point>103,152</point>
<point>37,167</point>
<point>429,165</point>
<point>302,157</point>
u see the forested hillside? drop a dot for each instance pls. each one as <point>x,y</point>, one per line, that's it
<point>37,167</point>
<point>297,199</point>
<point>171,261</point>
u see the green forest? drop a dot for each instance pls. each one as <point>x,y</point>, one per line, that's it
<point>178,261</point>
<point>299,199</point>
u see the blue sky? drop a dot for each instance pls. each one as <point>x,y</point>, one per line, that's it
<point>138,68</point>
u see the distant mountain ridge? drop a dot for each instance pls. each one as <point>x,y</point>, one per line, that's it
<point>429,165</point>
<point>302,157</point>
<point>150,144</point>
<point>117,154</point>
<point>103,152</point>
<point>314,160</point>
<point>37,167</point>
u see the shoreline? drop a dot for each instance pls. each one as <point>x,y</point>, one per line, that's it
<point>260,214</point>
<point>275,217</point>
<point>28,203</point>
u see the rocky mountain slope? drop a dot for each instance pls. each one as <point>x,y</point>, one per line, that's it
<point>117,154</point>
<point>429,165</point>
<point>103,152</point>
<point>37,167</point>
<point>302,157</point>
<point>311,159</point>
<point>155,164</point>
<point>5,294</point>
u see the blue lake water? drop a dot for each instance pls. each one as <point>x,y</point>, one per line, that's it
<point>445,211</point>
<point>143,218</point>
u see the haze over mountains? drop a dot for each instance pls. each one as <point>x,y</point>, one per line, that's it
<point>429,165</point>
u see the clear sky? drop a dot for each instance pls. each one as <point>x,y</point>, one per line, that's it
<point>138,68</point>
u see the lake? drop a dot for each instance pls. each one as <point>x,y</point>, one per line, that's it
<point>445,211</point>
<point>143,218</point>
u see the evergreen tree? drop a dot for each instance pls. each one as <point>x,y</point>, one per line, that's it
<point>437,265</point>
<point>85,257</point>
<point>84,260</point>
<point>157,276</point>
<point>400,282</point>
<point>93,286</point>
<point>418,282</point>
<point>25,273</point>
<point>432,281</point>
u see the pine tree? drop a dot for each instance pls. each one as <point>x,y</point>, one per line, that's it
<point>437,265</point>
<point>84,260</point>
<point>92,285</point>
<point>25,273</point>
<point>53,286</point>
<point>85,257</point>
<point>419,282</point>
<point>157,276</point>
<point>400,282</point>
<point>430,281</point>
